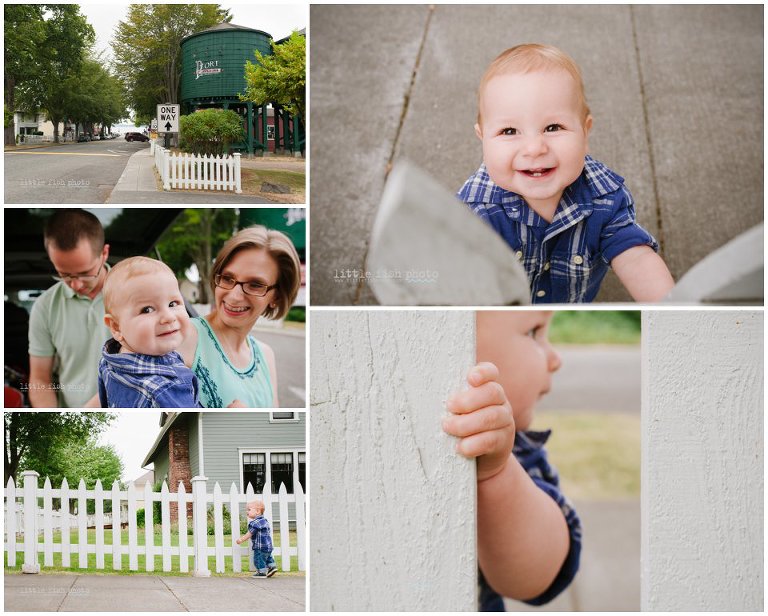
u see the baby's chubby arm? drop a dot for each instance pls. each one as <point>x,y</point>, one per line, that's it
<point>643,273</point>
<point>523,537</point>
<point>245,537</point>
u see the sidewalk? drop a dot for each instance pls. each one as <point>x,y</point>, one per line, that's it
<point>152,593</point>
<point>138,184</point>
<point>609,576</point>
<point>676,93</point>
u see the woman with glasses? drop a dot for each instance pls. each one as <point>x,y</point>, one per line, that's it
<point>257,273</point>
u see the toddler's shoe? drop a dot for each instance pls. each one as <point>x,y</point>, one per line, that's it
<point>272,571</point>
<point>259,575</point>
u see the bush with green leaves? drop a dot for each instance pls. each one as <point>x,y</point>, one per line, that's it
<point>226,518</point>
<point>210,131</point>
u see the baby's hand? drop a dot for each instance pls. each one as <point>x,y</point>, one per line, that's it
<point>482,419</point>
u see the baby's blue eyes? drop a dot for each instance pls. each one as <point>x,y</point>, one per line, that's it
<point>149,309</point>
<point>551,128</point>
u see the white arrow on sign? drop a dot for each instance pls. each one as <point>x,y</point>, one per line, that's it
<point>168,118</point>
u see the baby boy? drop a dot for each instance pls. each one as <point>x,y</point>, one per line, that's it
<point>145,312</point>
<point>566,216</point>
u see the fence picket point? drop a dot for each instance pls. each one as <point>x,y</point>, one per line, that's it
<point>66,537</point>
<point>133,549</point>
<point>10,520</point>
<point>218,527</point>
<point>234,519</point>
<point>298,492</point>
<point>117,553</point>
<point>82,526</point>
<point>200,527</point>
<point>285,547</point>
<point>149,528</point>
<point>165,525</point>
<point>31,564</point>
<point>182,517</point>
<point>47,524</point>
<point>99,507</point>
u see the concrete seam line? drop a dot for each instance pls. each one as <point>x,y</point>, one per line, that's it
<point>175,596</point>
<point>647,128</point>
<point>396,141</point>
<point>66,594</point>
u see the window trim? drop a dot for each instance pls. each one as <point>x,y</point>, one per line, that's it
<point>273,419</point>
<point>294,451</point>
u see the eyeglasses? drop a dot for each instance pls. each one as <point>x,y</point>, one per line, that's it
<point>80,277</point>
<point>249,288</point>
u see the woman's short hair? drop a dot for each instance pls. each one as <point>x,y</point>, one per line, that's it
<point>281,249</point>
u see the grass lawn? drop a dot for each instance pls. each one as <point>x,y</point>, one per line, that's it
<point>252,178</point>
<point>596,454</point>
<point>158,560</point>
<point>595,327</point>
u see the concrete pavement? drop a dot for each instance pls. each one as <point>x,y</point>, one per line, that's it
<point>152,593</point>
<point>139,184</point>
<point>609,575</point>
<point>676,93</point>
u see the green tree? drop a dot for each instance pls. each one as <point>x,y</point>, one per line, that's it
<point>58,60</point>
<point>280,77</point>
<point>35,436</point>
<point>210,131</point>
<point>24,32</point>
<point>147,48</point>
<point>195,238</point>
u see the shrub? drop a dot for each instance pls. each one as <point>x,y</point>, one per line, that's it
<point>297,313</point>
<point>210,131</point>
<point>227,518</point>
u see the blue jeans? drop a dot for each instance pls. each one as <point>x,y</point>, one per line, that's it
<point>263,560</point>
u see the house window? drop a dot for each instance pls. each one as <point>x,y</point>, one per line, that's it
<point>278,416</point>
<point>303,471</point>
<point>254,471</point>
<point>270,132</point>
<point>281,465</point>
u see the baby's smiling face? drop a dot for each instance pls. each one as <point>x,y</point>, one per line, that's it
<point>535,135</point>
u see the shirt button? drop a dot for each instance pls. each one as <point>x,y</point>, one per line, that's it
<point>578,259</point>
<point>519,254</point>
<point>541,293</point>
<point>546,266</point>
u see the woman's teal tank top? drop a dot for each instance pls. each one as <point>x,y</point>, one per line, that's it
<point>220,382</point>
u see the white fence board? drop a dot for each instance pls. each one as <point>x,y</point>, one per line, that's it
<point>401,539</point>
<point>702,474</point>
<point>37,529</point>
<point>197,172</point>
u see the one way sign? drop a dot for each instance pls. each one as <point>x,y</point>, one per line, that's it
<point>168,118</point>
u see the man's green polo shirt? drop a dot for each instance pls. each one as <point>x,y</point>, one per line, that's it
<point>70,328</point>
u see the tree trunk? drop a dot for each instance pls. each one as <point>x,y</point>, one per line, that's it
<point>10,87</point>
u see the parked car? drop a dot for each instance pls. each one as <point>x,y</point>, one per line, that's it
<point>136,137</point>
<point>84,137</point>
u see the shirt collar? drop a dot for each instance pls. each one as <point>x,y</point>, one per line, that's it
<point>139,364</point>
<point>596,180</point>
<point>529,441</point>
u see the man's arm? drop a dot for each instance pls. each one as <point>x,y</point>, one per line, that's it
<point>643,273</point>
<point>41,394</point>
<point>523,537</point>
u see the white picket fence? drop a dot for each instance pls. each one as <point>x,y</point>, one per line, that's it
<point>191,542</point>
<point>195,172</point>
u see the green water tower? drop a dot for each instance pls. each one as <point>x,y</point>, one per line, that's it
<point>213,75</point>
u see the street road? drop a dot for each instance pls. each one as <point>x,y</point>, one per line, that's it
<point>290,357</point>
<point>71,173</point>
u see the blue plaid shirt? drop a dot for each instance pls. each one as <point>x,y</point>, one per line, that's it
<point>261,534</point>
<point>566,259</point>
<point>133,380</point>
<point>530,453</point>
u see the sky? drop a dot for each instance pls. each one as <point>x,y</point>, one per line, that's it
<point>277,20</point>
<point>132,434</point>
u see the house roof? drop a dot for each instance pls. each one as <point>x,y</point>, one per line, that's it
<point>166,421</point>
<point>148,477</point>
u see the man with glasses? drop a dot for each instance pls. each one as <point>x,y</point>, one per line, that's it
<point>66,326</point>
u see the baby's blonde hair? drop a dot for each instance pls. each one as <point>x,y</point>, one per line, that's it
<point>528,58</point>
<point>127,269</point>
<point>259,505</point>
